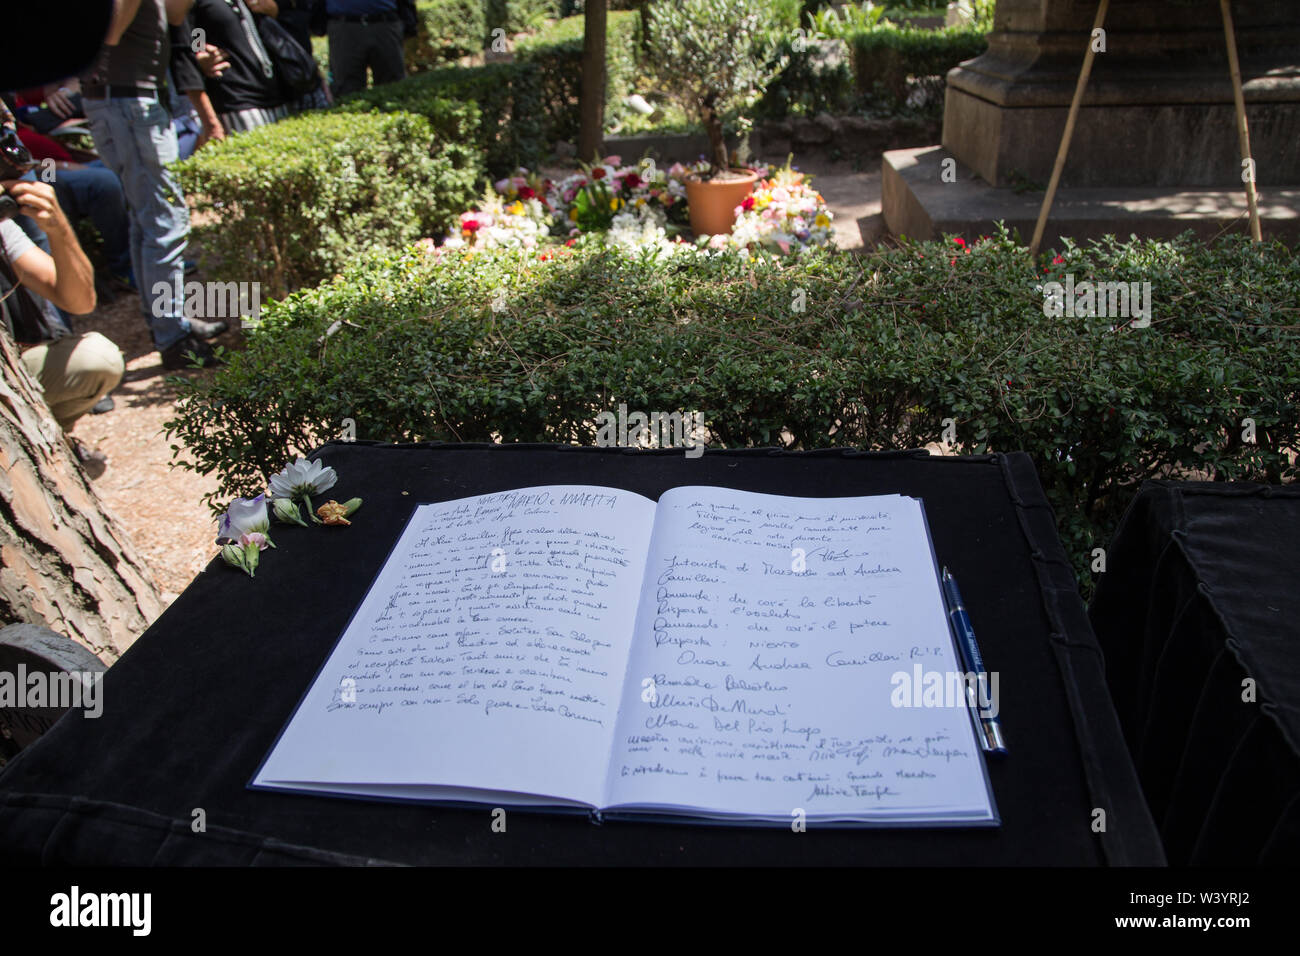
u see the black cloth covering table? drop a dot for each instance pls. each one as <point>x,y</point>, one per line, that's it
<point>1202,592</point>
<point>193,706</point>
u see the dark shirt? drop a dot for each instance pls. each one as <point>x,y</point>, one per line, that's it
<point>242,86</point>
<point>359,8</point>
<point>140,57</point>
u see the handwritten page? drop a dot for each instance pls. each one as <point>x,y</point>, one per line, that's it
<point>487,658</point>
<point>762,678</point>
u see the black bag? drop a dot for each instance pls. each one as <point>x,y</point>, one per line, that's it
<point>294,67</point>
<point>19,312</point>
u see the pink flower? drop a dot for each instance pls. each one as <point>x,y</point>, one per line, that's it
<point>253,537</point>
<point>613,160</point>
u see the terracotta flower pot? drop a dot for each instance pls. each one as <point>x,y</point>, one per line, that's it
<point>712,204</point>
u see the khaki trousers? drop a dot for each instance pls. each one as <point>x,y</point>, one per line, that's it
<point>75,372</point>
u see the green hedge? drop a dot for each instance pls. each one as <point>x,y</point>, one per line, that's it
<point>448,30</point>
<point>884,351</point>
<point>883,58</point>
<point>557,53</point>
<point>296,200</point>
<point>516,16</point>
<point>508,132</point>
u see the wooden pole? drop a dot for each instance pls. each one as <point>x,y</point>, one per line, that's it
<point>1243,131</point>
<point>1064,149</point>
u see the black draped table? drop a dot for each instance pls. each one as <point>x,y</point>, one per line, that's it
<point>193,707</point>
<point>1198,613</point>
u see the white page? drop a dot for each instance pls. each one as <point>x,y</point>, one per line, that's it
<point>488,655</point>
<point>772,689</point>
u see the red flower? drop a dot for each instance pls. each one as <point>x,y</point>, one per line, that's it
<point>570,242</point>
<point>960,241</point>
<point>598,172</point>
<point>1057,261</point>
<point>527,192</point>
<point>632,180</point>
<point>747,203</point>
<point>953,261</point>
<point>469,225</point>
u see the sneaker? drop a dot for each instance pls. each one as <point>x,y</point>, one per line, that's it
<point>176,356</point>
<point>94,461</point>
<point>207,330</point>
<point>104,405</point>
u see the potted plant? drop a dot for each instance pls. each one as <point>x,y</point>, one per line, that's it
<point>714,57</point>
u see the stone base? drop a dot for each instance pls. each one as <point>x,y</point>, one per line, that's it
<point>917,203</point>
<point>1124,144</point>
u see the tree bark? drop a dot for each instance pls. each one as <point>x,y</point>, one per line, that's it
<point>591,104</point>
<point>65,562</point>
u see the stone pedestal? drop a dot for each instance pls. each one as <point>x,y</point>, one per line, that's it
<point>1157,116</point>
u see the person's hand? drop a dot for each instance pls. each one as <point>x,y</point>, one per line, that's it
<point>58,97</point>
<point>38,201</point>
<point>211,131</point>
<point>212,60</point>
<point>268,7</point>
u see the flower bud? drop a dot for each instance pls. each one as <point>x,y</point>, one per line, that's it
<point>288,512</point>
<point>236,557</point>
<point>351,505</point>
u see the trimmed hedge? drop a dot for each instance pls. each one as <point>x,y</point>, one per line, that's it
<point>297,199</point>
<point>508,131</point>
<point>885,57</point>
<point>557,53</point>
<point>885,350</point>
<point>516,16</point>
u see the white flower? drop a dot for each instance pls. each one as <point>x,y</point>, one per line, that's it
<point>301,479</point>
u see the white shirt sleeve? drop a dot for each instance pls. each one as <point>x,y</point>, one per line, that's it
<point>15,242</point>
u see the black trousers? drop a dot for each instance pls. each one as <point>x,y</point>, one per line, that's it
<point>356,46</point>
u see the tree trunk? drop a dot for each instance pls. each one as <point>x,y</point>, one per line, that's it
<point>591,104</point>
<point>65,562</point>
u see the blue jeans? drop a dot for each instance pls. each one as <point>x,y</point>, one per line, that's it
<point>135,139</point>
<point>95,193</point>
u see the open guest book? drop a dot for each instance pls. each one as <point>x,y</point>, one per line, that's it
<point>718,656</point>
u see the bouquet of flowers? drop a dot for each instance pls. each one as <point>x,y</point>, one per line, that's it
<point>784,213</point>
<point>501,222</point>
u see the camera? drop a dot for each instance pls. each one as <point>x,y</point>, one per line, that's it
<point>15,161</point>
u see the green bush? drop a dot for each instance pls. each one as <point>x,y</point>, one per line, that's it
<point>508,131</point>
<point>885,350</point>
<point>448,30</point>
<point>557,53</point>
<point>885,57</point>
<point>517,16</point>
<point>296,200</point>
